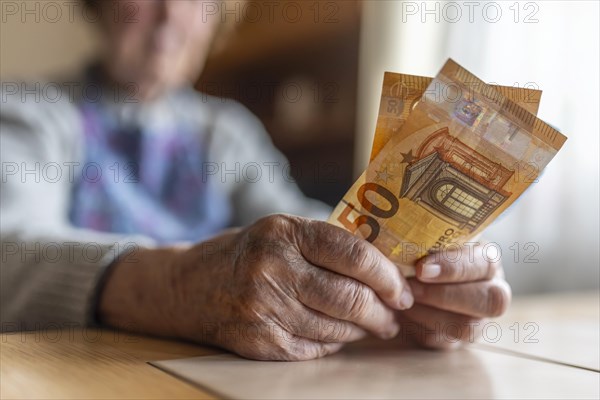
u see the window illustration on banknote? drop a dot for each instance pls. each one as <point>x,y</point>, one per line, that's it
<point>455,182</point>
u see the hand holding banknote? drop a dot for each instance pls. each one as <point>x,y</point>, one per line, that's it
<point>283,288</point>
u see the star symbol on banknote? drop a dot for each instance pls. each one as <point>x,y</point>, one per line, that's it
<point>408,157</point>
<point>383,176</point>
<point>397,250</point>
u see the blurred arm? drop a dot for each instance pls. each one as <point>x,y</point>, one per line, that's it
<point>253,171</point>
<point>50,270</point>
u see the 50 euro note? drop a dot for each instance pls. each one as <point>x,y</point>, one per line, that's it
<point>464,153</point>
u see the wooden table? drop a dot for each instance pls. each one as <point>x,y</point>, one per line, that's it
<point>91,363</point>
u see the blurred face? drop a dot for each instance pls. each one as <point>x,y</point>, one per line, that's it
<point>156,44</point>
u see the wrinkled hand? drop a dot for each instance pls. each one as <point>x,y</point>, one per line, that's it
<point>285,288</point>
<point>454,293</point>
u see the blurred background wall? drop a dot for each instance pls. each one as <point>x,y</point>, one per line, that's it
<point>295,65</point>
<point>37,41</point>
<point>312,72</point>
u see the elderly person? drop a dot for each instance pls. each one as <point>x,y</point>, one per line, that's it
<point>118,209</point>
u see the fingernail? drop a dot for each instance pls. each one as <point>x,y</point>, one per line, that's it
<point>406,299</point>
<point>429,271</point>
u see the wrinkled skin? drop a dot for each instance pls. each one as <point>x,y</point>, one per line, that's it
<point>289,288</point>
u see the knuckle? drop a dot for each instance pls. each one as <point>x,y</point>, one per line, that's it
<point>358,303</point>
<point>453,266</point>
<point>362,256</point>
<point>498,269</point>
<point>498,299</point>
<point>466,272</point>
<point>278,351</point>
<point>459,271</point>
<point>274,225</point>
<point>332,238</point>
<point>289,353</point>
<point>492,269</point>
<point>254,258</point>
<point>468,268</point>
<point>282,346</point>
<point>298,350</point>
<point>461,268</point>
<point>320,350</point>
<point>340,331</point>
<point>309,287</point>
<point>275,220</point>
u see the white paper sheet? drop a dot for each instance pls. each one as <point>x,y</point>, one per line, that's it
<point>387,372</point>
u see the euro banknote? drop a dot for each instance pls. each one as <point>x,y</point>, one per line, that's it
<point>462,154</point>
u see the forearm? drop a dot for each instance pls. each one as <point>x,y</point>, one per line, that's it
<point>132,296</point>
<point>144,291</point>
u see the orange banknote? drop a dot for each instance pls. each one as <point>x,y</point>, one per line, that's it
<point>463,153</point>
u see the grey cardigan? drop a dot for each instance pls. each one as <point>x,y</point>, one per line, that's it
<point>50,270</point>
